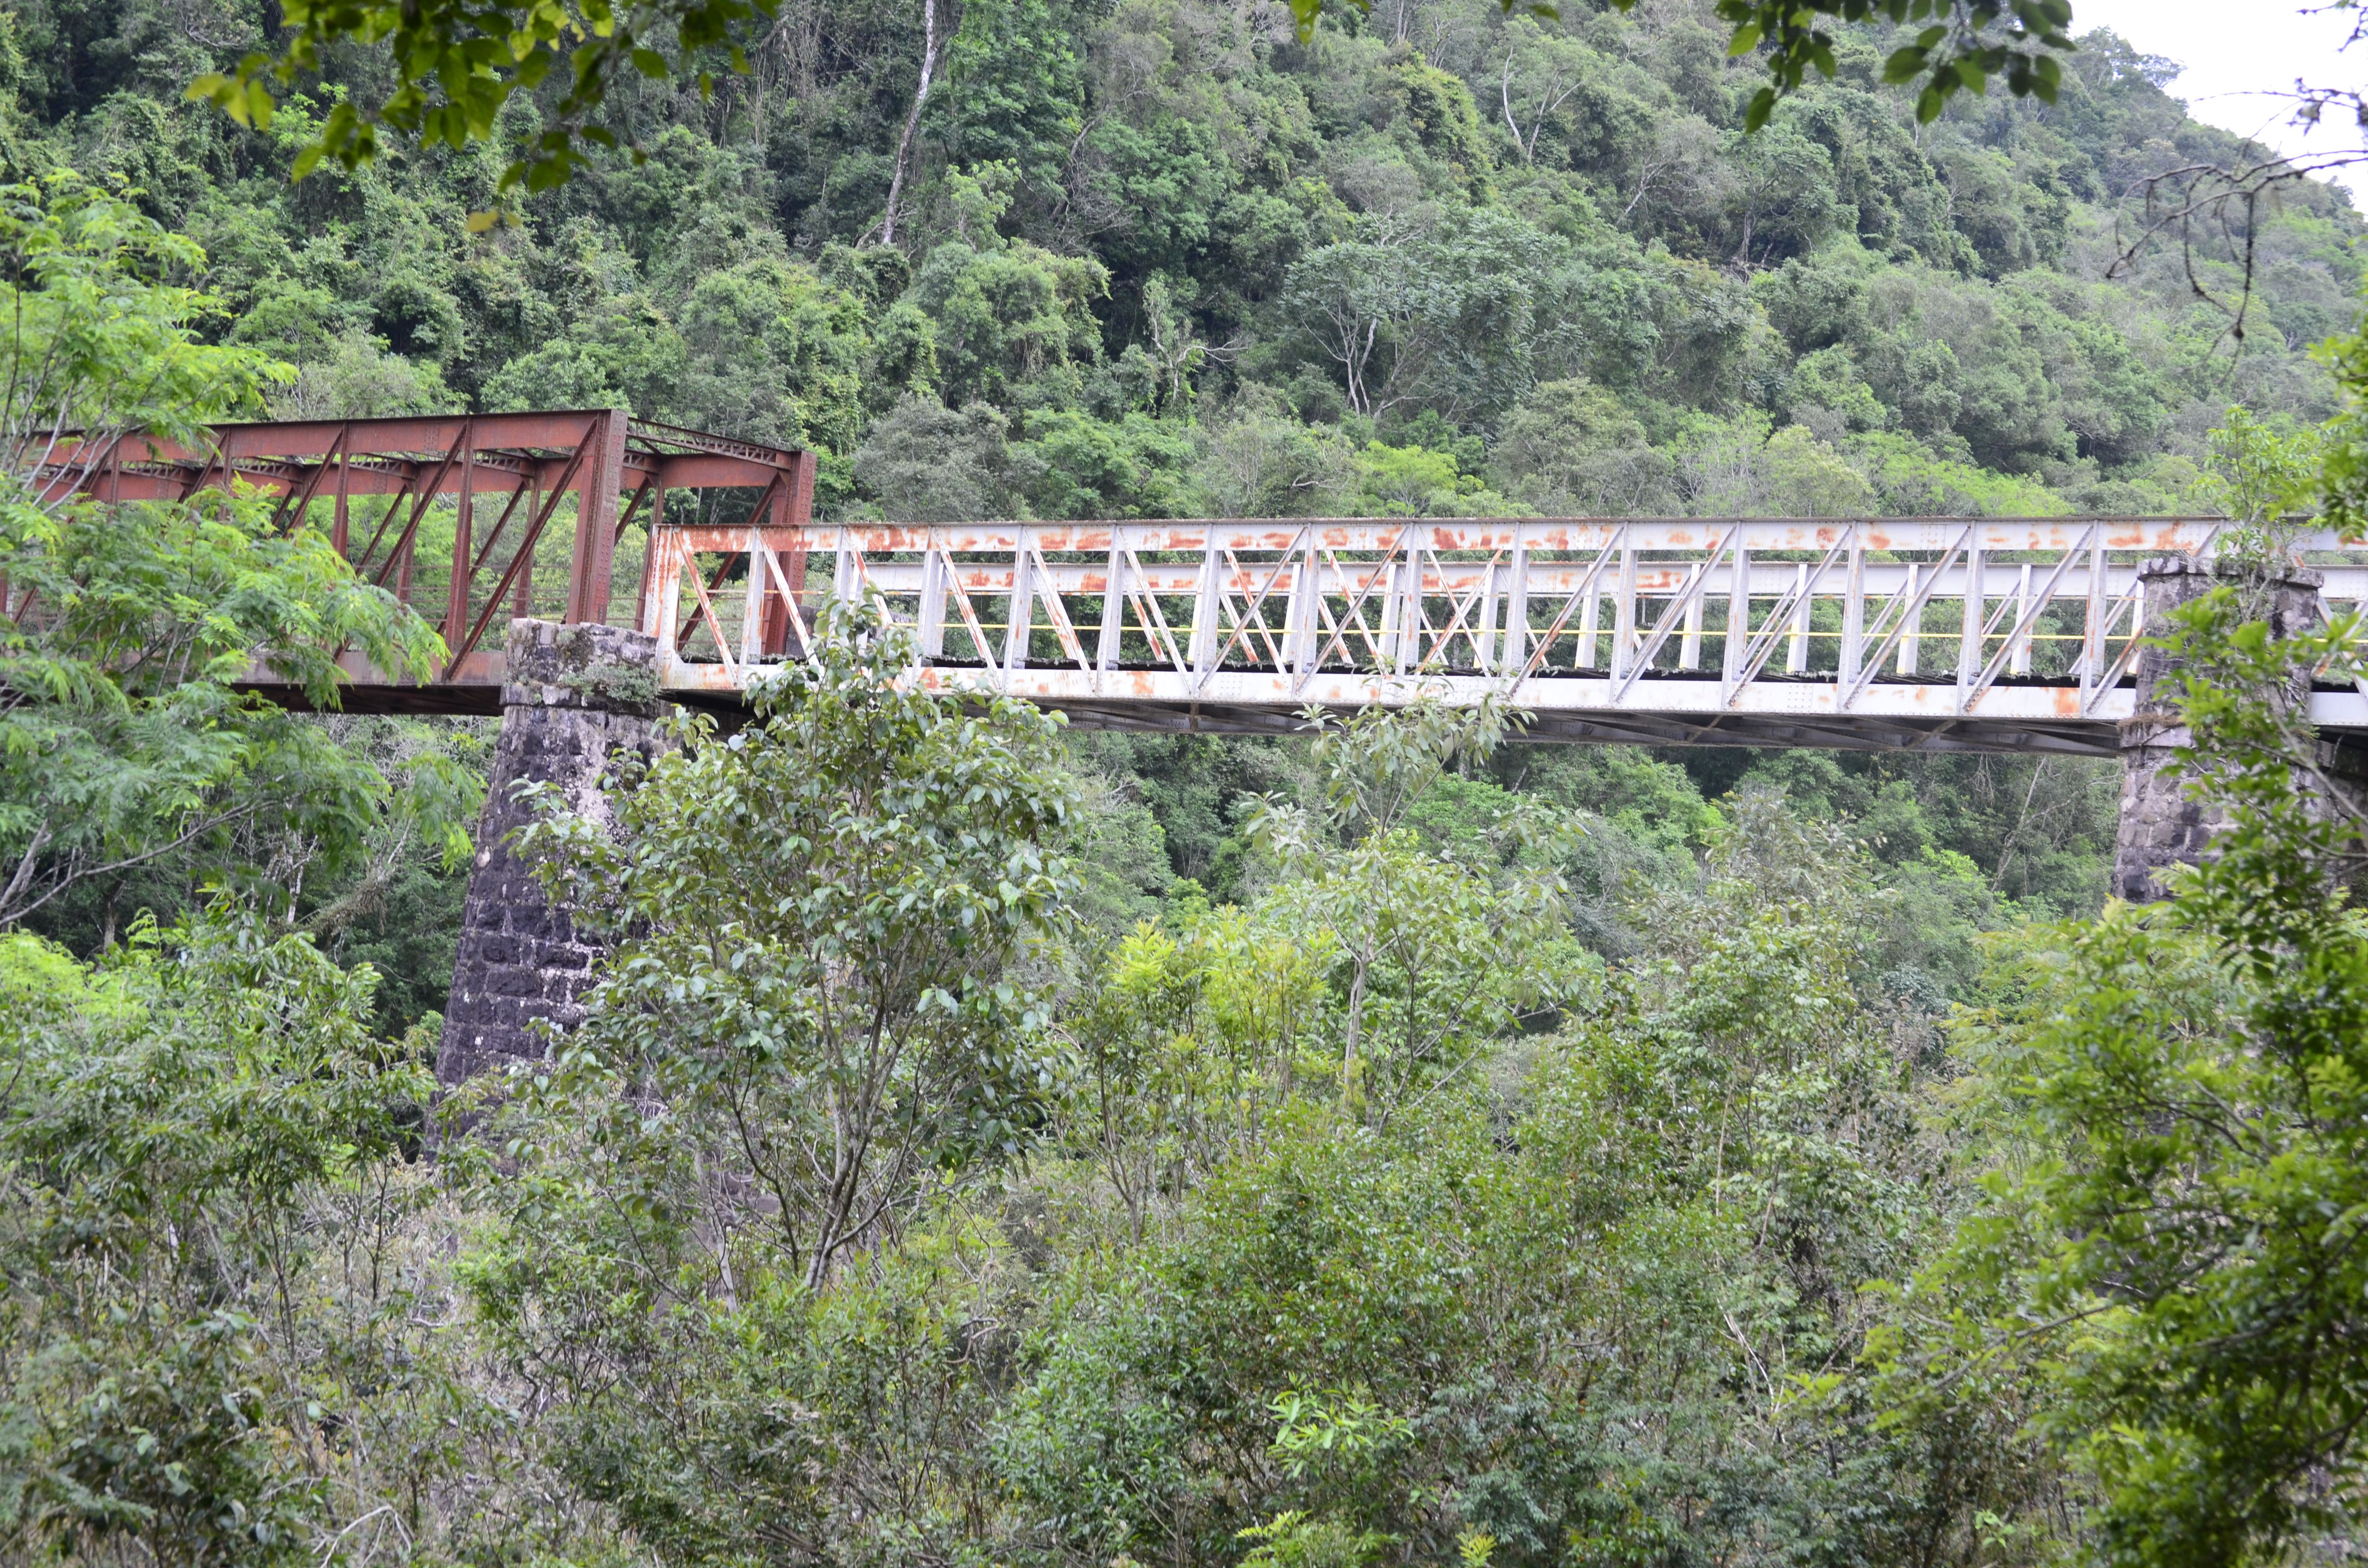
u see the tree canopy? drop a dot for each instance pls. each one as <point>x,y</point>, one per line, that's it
<point>456,64</point>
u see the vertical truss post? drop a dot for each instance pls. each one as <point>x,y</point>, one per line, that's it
<point>1418,611</point>
<point>1299,611</point>
<point>1689,638</point>
<point>1590,617</point>
<point>847,567</point>
<point>2018,662</point>
<point>1911,621</point>
<point>599,478</point>
<point>1738,609</point>
<point>1623,609</point>
<point>662,608</point>
<point>1969,638</point>
<point>340,532</point>
<point>1410,616</point>
<point>931,611</point>
<point>770,611</point>
<point>755,604</point>
<point>1022,613</point>
<point>2092,627</point>
<point>1796,652</point>
<point>455,594</point>
<point>1853,648</point>
<point>1484,630</point>
<point>1203,639</point>
<point>1517,606</point>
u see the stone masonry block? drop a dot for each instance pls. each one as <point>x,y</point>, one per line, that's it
<point>574,697</point>
<point>2160,826</point>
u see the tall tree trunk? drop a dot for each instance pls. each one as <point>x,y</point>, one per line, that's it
<point>912,120</point>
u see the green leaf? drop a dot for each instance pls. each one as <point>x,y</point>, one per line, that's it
<point>1905,65</point>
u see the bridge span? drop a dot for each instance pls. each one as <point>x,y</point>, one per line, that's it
<point>1930,633</point>
<point>1983,634</point>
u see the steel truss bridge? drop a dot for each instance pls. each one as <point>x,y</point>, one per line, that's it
<point>1935,633</point>
<point>1990,634</point>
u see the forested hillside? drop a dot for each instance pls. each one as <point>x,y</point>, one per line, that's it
<point>1393,1146</point>
<point>1157,258</point>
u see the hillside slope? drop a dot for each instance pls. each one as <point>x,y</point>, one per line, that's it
<point>1159,258</point>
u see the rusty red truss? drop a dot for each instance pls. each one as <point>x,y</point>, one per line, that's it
<point>504,475</point>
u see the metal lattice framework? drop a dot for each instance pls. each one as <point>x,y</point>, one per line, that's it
<point>1991,634</point>
<point>496,494</point>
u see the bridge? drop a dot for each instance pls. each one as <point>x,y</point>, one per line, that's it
<point>1930,633</point>
<point>1971,634</point>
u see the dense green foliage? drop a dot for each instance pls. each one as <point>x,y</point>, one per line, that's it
<point>1494,1178</point>
<point>2172,1270</point>
<point>1397,1144</point>
<point>201,1140</point>
<point>133,769</point>
<point>1165,257</point>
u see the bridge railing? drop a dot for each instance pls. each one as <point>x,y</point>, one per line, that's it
<point>1880,631</point>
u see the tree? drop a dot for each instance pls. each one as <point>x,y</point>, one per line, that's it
<point>1188,1044</point>
<point>810,1030</point>
<point>102,337</point>
<point>1570,449</point>
<point>456,64</point>
<point>1457,318</point>
<point>200,1149</point>
<point>2169,1271</point>
<point>1258,461</point>
<point>1418,937</point>
<point>928,464</point>
<point>126,744</point>
<point>814,923</point>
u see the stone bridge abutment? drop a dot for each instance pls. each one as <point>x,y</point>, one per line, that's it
<point>2159,825</point>
<point>575,695</point>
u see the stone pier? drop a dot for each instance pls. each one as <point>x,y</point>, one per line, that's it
<point>573,696</point>
<point>2160,826</point>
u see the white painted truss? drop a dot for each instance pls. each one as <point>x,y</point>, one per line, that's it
<point>1929,633</point>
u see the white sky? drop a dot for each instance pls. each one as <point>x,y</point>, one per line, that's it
<point>2236,52</point>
